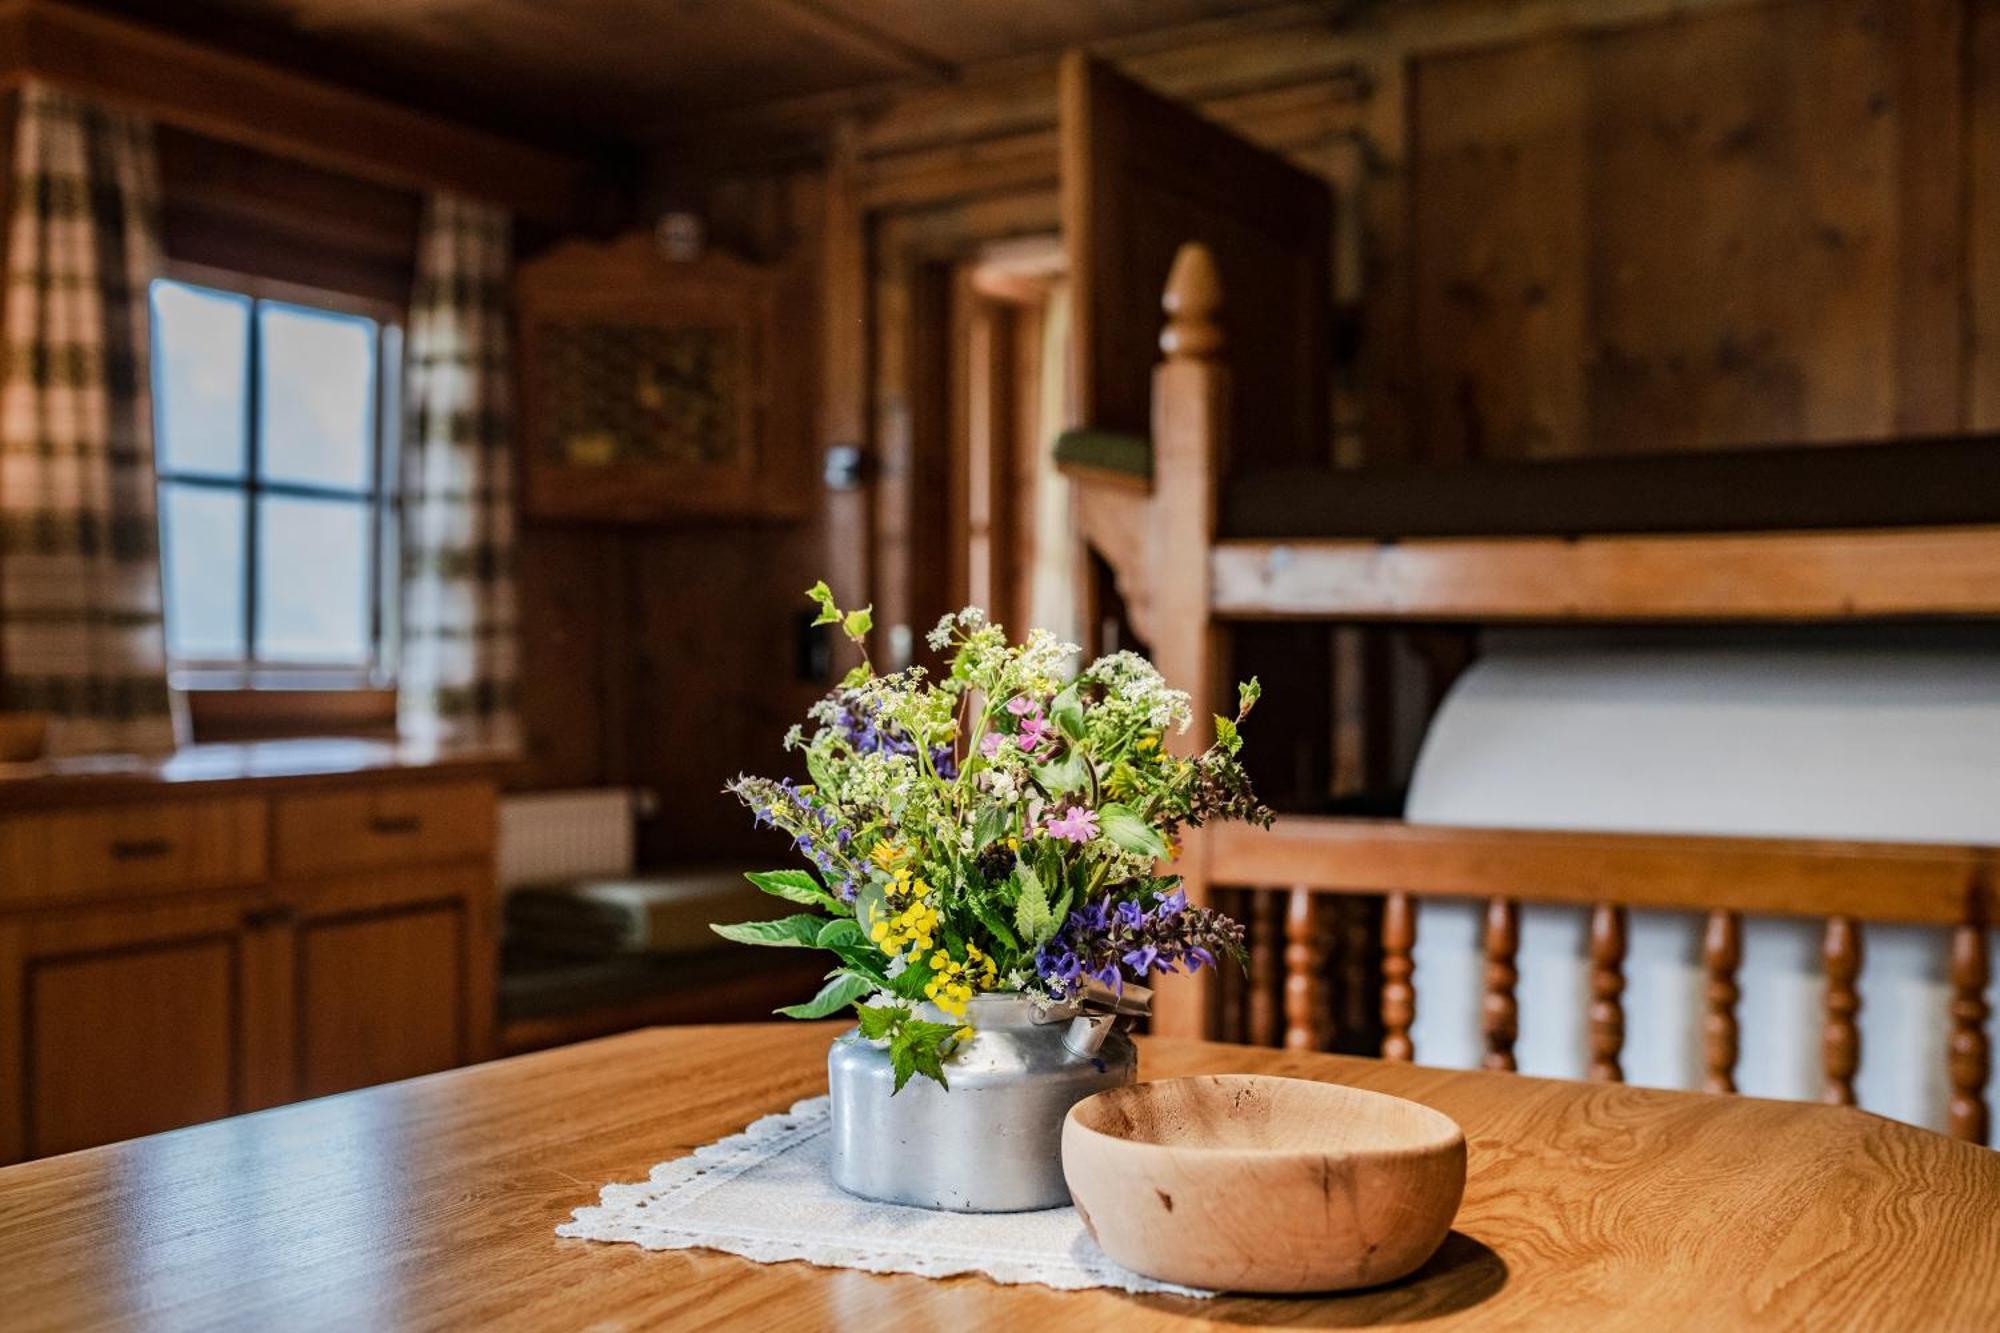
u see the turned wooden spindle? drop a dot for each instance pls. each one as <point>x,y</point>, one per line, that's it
<point>1840,1040</point>
<point>1607,989</point>
<point>1302,964</point>
<point>1399,997</point>
<point>1263,968</point>
<point>1500,1015</point>
<point>1968,1055</point>
<point>1721,955</point>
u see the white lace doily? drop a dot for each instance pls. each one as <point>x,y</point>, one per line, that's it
<point>766,1194</point>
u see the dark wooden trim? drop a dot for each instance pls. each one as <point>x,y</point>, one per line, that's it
<point>244,101</point>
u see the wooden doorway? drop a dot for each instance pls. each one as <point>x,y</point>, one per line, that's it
<point>1010,540</point>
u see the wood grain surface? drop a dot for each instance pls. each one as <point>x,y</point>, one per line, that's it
<point>432,1203</point>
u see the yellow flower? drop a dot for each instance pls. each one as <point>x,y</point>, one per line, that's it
<point>1148,743</point>
<point>885,854</point>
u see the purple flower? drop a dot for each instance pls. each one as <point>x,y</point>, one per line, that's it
<point>1106,939</point>
<point>990,743</point>
<point>1078,826</point>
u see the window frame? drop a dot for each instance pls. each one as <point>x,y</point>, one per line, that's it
<point>308,681</point>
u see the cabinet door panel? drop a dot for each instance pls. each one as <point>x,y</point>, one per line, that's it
<point>130,1042</point>
<point>379,997</point>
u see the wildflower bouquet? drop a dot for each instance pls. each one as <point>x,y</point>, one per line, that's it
<point>996,829</point>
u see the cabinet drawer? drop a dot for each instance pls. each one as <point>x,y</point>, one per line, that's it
<point>149,848</point>
<point>387,825</point>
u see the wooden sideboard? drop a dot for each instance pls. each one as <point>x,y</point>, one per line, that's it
<point>236,928</point>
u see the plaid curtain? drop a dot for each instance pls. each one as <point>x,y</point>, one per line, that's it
<point>81,630</point>
<point>458,470</point>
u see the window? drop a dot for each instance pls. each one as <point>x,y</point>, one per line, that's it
<point>275,449</point>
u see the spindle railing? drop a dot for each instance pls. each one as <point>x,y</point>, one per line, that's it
<point>1325,862</point>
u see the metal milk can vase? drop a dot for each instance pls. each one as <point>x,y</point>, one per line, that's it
<point>993,1143</point>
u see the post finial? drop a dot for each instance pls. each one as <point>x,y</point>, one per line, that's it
<point>1192,298</point>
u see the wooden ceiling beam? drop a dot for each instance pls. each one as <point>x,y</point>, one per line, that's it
<point>243,101</point>
<point>830,23</point>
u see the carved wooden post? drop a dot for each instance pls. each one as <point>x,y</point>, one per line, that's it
<point>1399,997</point>
<point>1302,964</point>
<point>1500,1014</point>
<point>1263,968</point>
<point>1190,426</point>
<point>1840,1042</point>
<point>1607,988</point>
<point>1721,955</point>
<point>1968,1055</point>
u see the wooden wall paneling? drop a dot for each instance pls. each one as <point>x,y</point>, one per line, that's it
<point>1499,246</point>
<point>1930,74</point>
<point>240,209</point>
<point>573,597</point>
<point>1981,130</point>
<point>1744,227</point>
<point>1141,176</point>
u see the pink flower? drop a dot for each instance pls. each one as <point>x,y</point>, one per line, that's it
<point>990,743</point>
<point>1021,705</point>
<point>1033,732</point>
<point>1078,825</point>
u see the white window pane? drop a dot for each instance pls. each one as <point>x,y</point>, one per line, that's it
<point>312,581</point>
<point>201,367</point>
<point>316,396</point>
<point>204,534</point>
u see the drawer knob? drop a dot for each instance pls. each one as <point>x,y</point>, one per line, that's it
<point>393,824</point>
<point>140,849</point>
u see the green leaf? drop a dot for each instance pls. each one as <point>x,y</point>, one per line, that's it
<point>844,938</point>
<point>879,1020</point>
<point>795,886</point>
<point>857,623</point>
<point>1031,910</point>
<point>829,614</point>
<point>990,827</point>
<point>910,982</point>
<point>1227,736</point>
<point>791,932</point>
<point>1067,712</point>
<point>1247,694</point>
<point>1066,774</point>
<point>1121,824</point>
<point>842,990</point>
<point>919,1047</point>
<point>991,920</point>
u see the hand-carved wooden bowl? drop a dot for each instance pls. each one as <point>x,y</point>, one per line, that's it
<point>1247,1183</point>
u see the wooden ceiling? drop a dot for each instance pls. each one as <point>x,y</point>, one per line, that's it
<point>629,69</point>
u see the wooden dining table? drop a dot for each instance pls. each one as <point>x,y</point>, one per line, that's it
<point>433,1204</point>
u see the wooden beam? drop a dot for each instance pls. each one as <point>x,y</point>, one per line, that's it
<point>1870,881</point>
<point>832,24</point>
<point>243,101</point>
<point>1791,576</point>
